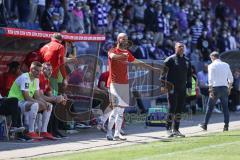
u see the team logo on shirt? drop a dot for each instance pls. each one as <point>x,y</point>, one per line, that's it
<point>26,85</point>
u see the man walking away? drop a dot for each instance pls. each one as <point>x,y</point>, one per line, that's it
<point>220,81</point>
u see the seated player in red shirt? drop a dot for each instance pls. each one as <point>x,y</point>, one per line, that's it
<point>7,78</point>
<point>46,93</point>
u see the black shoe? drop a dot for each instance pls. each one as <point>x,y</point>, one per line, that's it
<point>170,133</point>
<point>225,128</point>
<point>203,126</point>
<point>23,137</point>
<point>109,137</point>
<point>59,134</point>
<point>178,134</point>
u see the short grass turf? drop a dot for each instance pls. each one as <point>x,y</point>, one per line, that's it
<point>220,146</point>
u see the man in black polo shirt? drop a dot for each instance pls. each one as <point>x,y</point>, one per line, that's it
<point>179,74</point>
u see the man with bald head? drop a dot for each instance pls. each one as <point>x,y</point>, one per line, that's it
<point>179,74</point>
<point>118,59</point>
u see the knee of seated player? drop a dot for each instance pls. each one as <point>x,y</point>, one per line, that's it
<point>42,106</point>
<point>34,107</point>
<point>28,106</point>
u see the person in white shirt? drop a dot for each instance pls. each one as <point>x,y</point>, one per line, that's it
<point>220,81</point>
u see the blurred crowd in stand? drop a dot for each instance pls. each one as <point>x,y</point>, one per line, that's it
<point>152,25</point>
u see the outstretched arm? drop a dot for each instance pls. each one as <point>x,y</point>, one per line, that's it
<point>143,64</point>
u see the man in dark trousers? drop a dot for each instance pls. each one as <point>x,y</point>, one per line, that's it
<point>220,81</point>
<point>179,74</point>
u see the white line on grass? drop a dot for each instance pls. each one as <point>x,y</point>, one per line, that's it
<point>189,150</point>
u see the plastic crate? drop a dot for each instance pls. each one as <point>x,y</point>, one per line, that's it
<point>157,116</point>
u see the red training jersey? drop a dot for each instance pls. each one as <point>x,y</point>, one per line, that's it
<point>118,68</point>
<point>44,84</point>
<point>53,53</point>
<point>6,81</point>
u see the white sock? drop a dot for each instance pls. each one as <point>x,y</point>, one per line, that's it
<point>45,118</point>
<point>38,123</point>
<point>26,118</point>
<point>111,119</point>
<point>32,116</point>
<point>106,115</point>
<point>118,121</point>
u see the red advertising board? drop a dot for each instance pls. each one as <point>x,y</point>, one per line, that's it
<point>23,33</point>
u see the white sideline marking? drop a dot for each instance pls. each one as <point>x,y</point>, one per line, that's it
<point>189,151</point>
